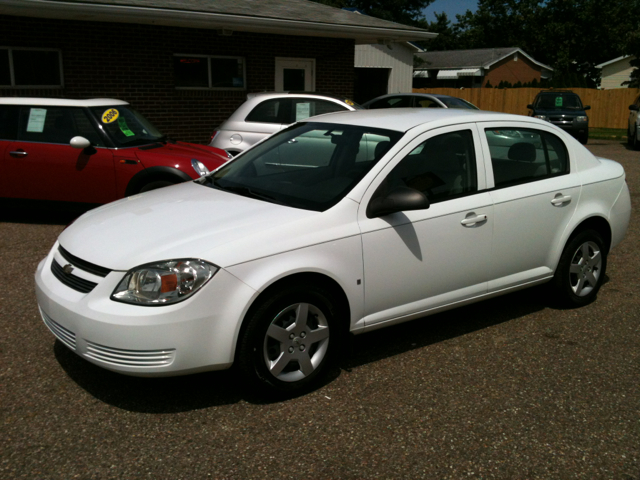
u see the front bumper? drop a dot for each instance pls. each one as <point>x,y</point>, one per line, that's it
<point>197,334</point>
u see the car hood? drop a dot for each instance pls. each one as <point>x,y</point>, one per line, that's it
<point>167,151</point>
<point>183,221</point>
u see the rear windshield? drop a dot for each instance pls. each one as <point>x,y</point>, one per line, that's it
<point>558,102</point>
<point>454,102</point>
<point>309,165</point>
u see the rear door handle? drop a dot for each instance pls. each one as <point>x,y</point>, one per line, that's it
<point>560,199</point>
<point>18,153</point>
<point>469,221</point>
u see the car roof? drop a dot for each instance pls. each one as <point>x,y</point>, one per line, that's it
<point>404,119</point>
<point>61,102</point>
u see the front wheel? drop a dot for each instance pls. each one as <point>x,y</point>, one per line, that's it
<point>581,269</point>
<point>155,185</point>
<point>290,339</point>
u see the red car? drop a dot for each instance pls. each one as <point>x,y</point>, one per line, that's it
<point>90,151</point>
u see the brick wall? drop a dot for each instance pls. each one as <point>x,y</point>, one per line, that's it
<point>512,71</point>
<point>135,63</point>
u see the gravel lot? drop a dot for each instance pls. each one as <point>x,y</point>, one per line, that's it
<point>510,388</point>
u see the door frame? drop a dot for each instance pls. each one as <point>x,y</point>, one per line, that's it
<point>308,64</point>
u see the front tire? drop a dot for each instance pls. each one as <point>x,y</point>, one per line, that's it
<point>581,269</point>
<point>290,339</point>
<point>155,185</point>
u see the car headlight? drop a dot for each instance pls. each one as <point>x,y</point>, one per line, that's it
<point>199,167</point>
<point>582,119</point>
<point>542,117</point>
<point>163,283</point>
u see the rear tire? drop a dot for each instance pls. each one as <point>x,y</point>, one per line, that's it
<point>581,269</point>
<point>289,341</point>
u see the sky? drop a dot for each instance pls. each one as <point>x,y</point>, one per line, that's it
<point>450,7</point>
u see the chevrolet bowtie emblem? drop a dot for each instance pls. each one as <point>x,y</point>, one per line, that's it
<point>68,268</point>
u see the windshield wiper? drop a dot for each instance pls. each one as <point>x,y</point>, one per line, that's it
<point>241,190</point>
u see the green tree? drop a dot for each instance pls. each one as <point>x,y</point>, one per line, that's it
<point>572,36</point>
<point>407,12</point>
<point>633,48</point>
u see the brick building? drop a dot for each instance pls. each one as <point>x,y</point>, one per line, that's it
<point>186,65</point>
<point>474,68</point>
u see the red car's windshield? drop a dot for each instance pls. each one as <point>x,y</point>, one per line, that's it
<point>125,126</point>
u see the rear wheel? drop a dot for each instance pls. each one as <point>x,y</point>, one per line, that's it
<point>581,269</point>
<point>289,340</point>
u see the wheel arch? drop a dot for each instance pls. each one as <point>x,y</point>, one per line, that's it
<point>597,223</point>
<point>314,278</point>
<point>154,174</point>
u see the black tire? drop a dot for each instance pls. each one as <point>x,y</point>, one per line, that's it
<point>302,364</point>
<point>635,141</point>
<point>155,185</point>
<point>584,138</point>
<point>581,269</point>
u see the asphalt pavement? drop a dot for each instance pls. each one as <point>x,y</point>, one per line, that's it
<point>510,388</point>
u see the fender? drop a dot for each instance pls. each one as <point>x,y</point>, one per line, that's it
<point>154,173</point>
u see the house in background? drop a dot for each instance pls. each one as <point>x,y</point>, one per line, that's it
<point>382,69</point>
<point>185,64</point>
<point>474,68</point>
<point>616,71</point>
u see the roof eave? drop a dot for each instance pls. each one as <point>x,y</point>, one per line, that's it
<point>206,20</point>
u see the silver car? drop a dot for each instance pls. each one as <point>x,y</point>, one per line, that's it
<point>265,113</point>
<point>418,100</point>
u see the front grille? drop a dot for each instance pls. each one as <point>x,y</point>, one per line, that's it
<point>82,264</point>
<point>561,119</point>
<point>64,335</point>
<point>71,281</point>
<point>130,358</point>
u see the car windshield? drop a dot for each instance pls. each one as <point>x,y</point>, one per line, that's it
<point>454,102</point>
<point>308,165</point>
<point>125,126</point>
<point>558,102</point>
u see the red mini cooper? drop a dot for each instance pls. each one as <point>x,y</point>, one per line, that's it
<point>90,151</point>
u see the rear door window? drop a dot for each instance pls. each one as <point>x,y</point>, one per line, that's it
<point>521,155</point>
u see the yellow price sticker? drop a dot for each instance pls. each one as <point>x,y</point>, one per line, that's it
<point>110,115</point>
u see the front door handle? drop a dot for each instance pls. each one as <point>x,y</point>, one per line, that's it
<point>18,153</point>
<point>473,220</point>
<point>560,199</point>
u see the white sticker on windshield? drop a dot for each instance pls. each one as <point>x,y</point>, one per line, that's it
<point>303,110</point>
<point>37,116</point>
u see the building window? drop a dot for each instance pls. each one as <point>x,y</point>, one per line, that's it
<point>210,72</point>
<point>30,67</point>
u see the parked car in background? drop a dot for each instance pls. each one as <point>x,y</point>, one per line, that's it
<point>90,151</point>
<point>342,223</point>
<point>265,113</point>
<point>564,109</point>
<point>418,100</point>
<point>633,130</point>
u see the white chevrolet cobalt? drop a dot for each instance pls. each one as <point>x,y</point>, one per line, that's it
<point>346,222</point>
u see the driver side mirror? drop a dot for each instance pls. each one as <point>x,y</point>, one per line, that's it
<point>588,107</point>
<point>80,142</point>
<point>397,200</point>
<point>634,107</point>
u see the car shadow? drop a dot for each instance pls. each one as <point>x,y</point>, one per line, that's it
<point>211,389</point>
<point>41,212</point>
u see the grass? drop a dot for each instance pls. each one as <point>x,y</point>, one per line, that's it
<point>608,133</point>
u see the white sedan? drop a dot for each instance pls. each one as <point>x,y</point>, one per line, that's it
<point>347,222</point>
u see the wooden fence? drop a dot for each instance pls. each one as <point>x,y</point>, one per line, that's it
<point>609,108</point>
